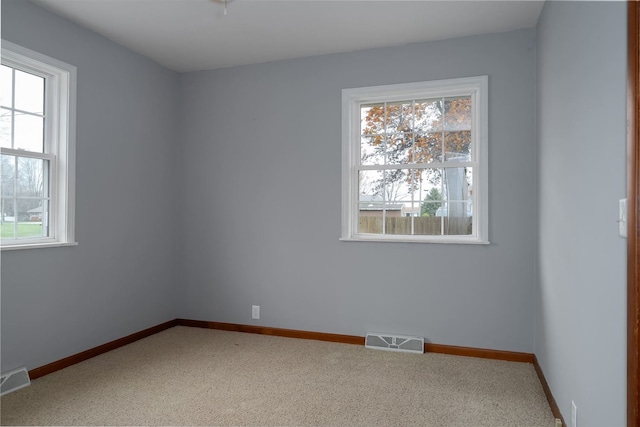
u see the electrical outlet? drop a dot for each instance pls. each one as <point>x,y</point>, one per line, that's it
<point>255,311</point>
<point>574,414</point>
<point>558,423</point>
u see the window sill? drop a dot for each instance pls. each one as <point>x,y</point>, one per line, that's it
<point>37,246</point>
<point>401,240</point>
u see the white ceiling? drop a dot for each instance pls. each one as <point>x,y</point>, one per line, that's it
<point>189,35</point>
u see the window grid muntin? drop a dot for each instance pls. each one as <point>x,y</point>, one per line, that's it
<point>49,143</point>
<point>28,79</point>
<point>21,153</point>
<point>46,198</point>
<point>445,202</point>
<point>13,110</point>
<point>441,165</point>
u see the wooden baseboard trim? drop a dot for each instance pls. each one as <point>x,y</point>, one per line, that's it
<point>547,391</point>
<point>96,351</point>
<point>510,356</point>
<point>289,333</point>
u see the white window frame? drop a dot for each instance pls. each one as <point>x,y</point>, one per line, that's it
<point>353,98</point>
<point>59,146</point>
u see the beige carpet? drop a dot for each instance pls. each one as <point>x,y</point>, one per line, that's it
<point>190,376</point>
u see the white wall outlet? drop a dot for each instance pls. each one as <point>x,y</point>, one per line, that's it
<point>574,414</point>
<point>622,218</point>
<point>255,311</point>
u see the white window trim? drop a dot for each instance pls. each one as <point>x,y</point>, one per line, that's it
<point>477,87</point>
<point>61,129</point>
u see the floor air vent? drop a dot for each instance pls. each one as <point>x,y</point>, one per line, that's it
<point>394,342</point>
<point>14,380</point>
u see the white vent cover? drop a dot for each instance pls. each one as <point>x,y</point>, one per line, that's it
<point>14,380</point>
<point>394,342</point>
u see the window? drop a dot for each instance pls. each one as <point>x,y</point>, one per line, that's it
<point>414,162</point>
<point>37,149</point>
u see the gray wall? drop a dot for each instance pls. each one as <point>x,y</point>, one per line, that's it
<point>261,194</point>
<point>120,279</point>
<point>580,313</point>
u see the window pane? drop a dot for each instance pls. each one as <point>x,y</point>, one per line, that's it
<point>429,183</point>
<point>431,198</point>
<point>44,217</point>
<point>428,114</point>
<point>457,184</point>
<point>36,211</point>
<point>457,146</point>
<point>398,185</point>
<point>8,219</point>
<point>370,185</point>
<point>370,201</point>
<point>428,225</point>
<point>8,175</point>
<point>28,133</point>
<point>30,230</point>
<point>30,213</point>
<point>372,150</point>
<point>428,197</point>
<point>411,210</point>
<point>458,219</point>
<point>400,189</point>
<point>5,128</point>
<point>399,117</point>
<point>29,92</point>
<point>399,148</point>
<point>31,177</point>
<point>457,209</point>
<point>395,223</point>
<point>372,119</point>
<point>457,113</point>
<point>428,148</point>
<point>370,222</point>
<point>431,209</point>
<point>5,86</point>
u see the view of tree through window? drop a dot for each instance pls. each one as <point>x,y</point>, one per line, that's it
<point>414,176</point>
